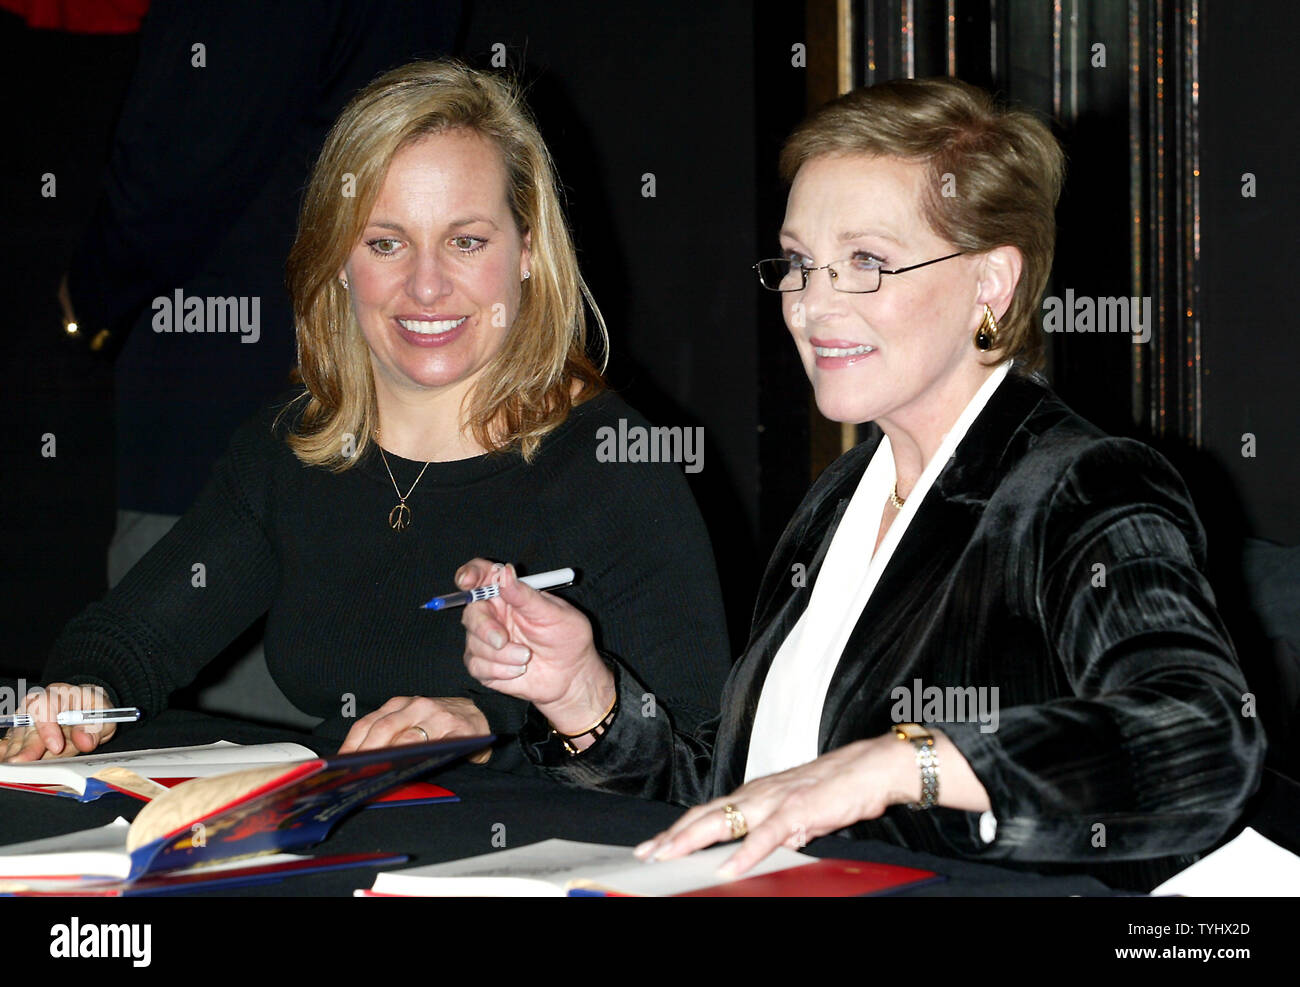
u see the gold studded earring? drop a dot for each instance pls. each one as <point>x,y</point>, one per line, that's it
<point>986,336</point>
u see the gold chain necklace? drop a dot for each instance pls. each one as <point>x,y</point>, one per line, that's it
<point>399,518</point>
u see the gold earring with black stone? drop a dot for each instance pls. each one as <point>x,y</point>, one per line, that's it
<point>986,335</point>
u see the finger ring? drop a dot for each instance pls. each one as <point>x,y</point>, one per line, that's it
<point>736,820</point>
<point>422,730</point>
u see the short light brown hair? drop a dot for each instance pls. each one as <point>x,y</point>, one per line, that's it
<point>528,388</point>
<point>1006,167</point>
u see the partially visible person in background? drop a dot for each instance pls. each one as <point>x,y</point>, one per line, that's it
<point>180,274</point>
<point>80,16</point>
<point>56,446</point>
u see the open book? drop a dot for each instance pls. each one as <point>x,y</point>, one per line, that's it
<point>259,810</point>
<point>146,774</point>
<point>555,868</point>
<point>80,777</point>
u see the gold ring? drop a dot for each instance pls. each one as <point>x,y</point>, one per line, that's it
<point>422,730</point>
<point>735,820</point>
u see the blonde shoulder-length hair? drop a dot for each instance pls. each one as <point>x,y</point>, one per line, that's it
<point>542,370</point>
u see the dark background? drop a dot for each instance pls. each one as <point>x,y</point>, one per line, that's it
<point>1251,283</point>
<point>700,95</point>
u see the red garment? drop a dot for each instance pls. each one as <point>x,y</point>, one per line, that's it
<point>80,16</point>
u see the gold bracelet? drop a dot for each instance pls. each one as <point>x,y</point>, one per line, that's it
<point>927,760</point>
<point>597,729</point>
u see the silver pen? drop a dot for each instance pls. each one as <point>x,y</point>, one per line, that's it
<point>75,717</point>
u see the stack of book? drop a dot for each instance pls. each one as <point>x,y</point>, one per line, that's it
<point>217,815</point>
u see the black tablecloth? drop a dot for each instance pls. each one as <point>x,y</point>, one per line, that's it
<point>330,935</point>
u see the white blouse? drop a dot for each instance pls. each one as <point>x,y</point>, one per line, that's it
<point>788,720</point>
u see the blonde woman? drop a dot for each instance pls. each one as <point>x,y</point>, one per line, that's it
<point>449,410</point>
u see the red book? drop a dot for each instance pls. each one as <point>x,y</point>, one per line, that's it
<point>413,793</point>
<point>823,879</point>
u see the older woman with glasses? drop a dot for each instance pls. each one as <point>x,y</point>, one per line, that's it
<point>985,632</point>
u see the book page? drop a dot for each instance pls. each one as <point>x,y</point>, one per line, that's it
<point>548,865</point>
<point>1250,866</point>
<point>194,799</point>
<point>94,858</point>
<point>562,864</point>
<point>164,762</point>
<point>128,781</point>
<point>699,870</point>
<point>97,852</point>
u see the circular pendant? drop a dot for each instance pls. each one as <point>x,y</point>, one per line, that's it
<point>399,518</point>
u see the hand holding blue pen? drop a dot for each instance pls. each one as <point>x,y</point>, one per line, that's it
<point>543,580</point>
<point>538,647</point>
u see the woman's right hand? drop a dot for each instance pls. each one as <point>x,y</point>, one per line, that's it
<point>47,739</point>
<point>534,646</point>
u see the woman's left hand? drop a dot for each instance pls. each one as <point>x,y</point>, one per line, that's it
<point>857,781</point>
<point>416,720</point>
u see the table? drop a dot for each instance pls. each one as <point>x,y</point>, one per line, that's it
<point>319,933</point>
<point>496,809</point>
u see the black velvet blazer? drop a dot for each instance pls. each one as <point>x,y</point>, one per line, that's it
<point>1048,560</point>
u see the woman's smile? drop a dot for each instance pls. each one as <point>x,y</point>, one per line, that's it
<point>431,331</point>
<point>431,326</point>
<point>834,353</point>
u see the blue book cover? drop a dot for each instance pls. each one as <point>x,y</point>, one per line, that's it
<point>297,808</point>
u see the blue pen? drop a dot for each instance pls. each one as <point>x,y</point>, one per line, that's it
<point>543,580</point>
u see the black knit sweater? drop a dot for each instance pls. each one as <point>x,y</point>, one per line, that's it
<point>313,550</point>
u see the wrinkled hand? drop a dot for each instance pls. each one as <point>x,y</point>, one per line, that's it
<point>534,646</point>
<point>855,782</point>
<point>401,720</point>
<point>47,739</point>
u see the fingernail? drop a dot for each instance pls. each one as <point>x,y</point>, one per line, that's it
<point>662,852</point>
<point>519,670</point>
<point>727,871</point>
<point>518,654</point>
<point>642,849</point>
<point>462,579</point>
<point>498,641</point>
